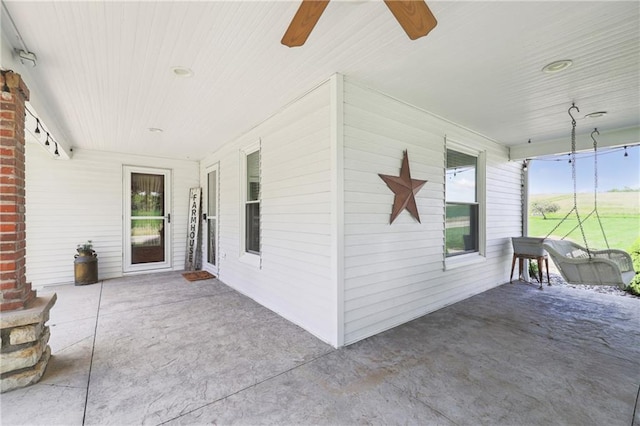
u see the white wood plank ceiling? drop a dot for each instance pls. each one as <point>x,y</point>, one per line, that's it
<point>104,70</point>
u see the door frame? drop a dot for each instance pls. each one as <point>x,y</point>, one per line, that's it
<point>213,268</point>
<point>127,266</point>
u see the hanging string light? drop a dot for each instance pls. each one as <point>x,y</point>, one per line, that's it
<point>39,126</point>
<point>40,129</point>
<point>586,155</point>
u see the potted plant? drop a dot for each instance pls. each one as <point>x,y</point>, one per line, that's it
<point>85,264</point>
<point>85,249</point>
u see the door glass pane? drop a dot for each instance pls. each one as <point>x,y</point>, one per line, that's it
<point>212,196</point>
<point>461,228</point>
<point>252,243</point>
<point>147,195</point>
<point>147,240</point>
<point>211,238</point>
<point>147,204</point>
<point>212,213</point>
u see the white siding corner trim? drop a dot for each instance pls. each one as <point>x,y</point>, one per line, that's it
<point>337,202</point>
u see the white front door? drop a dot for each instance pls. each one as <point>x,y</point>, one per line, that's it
<point>147,219</point>
<point>210,219</point>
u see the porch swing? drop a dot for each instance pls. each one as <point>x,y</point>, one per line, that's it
<point>582,265</point>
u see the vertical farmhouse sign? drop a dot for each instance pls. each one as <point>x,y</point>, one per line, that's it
<point>193,258</point>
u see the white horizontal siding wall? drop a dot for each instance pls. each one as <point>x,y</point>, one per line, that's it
<point>395,273</point>
<point>69,202</point>
<point>295,279</point>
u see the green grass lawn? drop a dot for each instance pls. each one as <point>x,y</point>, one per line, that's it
<point>621,231</point>
<point>619,214</point>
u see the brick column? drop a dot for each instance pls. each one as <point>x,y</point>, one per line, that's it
<point>24,352</point>
<point>15,292</point>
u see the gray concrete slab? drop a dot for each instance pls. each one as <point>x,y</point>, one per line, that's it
<point>156,349</point>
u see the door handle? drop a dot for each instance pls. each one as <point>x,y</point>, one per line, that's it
<point>204,216</point>
<point>168,217</point>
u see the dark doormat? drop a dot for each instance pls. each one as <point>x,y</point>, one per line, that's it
<point>197,275</point>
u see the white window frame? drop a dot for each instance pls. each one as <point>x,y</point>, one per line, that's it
<point>481,194</point>
<point>249,258</point>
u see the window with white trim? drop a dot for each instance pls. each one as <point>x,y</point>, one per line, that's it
<point>252,202</point>
<point>463,224</point>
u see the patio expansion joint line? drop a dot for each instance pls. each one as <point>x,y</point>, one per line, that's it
<point>635,408</point>
<point>93,349</point>
<point>249,387</point>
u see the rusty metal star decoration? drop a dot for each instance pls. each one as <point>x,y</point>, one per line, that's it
<point>405,190</point>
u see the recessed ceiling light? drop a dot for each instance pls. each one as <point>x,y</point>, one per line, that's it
<point>557,66</point>
<point>182,71</point>
<point>155,130</point>
<point>596,114</point>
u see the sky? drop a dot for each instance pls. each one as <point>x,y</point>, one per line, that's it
<point>552,175</point>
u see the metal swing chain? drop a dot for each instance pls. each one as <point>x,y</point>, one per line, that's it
<point>573,168</point>
<point>595,184</point>
<point>573,175</point>
<point>523,195</point>
<point>595,169</point>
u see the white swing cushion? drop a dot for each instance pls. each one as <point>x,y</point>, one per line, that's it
<point>605,267</point>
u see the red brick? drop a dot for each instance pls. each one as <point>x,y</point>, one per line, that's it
<point>7,114</point>
<point>11,306</point>
<point>9,228</point>
<point>8,105</point>
<point>13,294</point>
<point>9,276</point>
<point>7,133</point>
<point>8,246</point>
<point>8,190</point>
<point>8,285</point>
<point>8,266</point>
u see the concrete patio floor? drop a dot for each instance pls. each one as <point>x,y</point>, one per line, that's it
<point>156,349</point>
